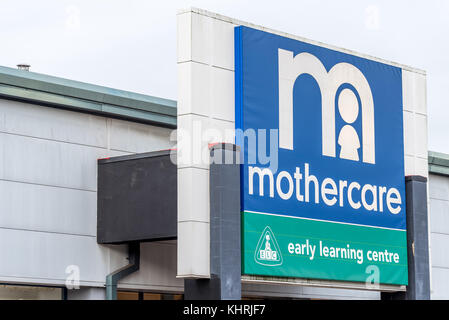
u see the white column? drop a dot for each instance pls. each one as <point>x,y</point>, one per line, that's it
<point>205,58</point>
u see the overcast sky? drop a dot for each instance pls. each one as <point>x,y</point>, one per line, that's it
<point>131,45</point>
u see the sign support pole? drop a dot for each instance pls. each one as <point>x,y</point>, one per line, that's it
<point>417,242</point>
<point>225,245</point>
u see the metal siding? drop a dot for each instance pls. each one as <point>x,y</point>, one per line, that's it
<point>440,281</point>
<point>137,137</point>
<point>439,222</point>
<point>28,206</point>
<point>52,124</point>
<point>439,228</point>
<point>439,187</point>
<point>440,243</point>
<point>43,256</point>
<point>48,161</point>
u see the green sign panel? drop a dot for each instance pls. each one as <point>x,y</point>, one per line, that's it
<point>304,248</point>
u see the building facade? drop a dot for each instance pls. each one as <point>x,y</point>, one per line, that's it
<point>53,131</point>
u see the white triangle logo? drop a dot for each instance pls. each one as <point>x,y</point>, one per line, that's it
<point>268,252</point>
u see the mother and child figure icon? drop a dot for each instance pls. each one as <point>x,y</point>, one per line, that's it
<point>348,138</point>
<point>352,101</point>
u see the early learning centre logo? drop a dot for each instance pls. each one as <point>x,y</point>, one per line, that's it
<point>268,252</point>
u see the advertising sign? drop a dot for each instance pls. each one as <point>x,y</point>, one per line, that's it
<point>323,190</point>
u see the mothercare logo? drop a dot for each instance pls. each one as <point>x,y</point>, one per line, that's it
<point>290,68</point>
<point>356,97</point>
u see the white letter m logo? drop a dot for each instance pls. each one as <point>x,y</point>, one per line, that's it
<point>290,68</point>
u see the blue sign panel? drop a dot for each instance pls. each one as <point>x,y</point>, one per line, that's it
<point>322,139</point>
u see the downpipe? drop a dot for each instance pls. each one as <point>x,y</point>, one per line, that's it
<point>113,278</point>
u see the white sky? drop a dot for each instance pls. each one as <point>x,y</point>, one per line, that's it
<point>131,45</point>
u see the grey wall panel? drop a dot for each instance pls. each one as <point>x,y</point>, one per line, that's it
<point>40,256</point>
<point>440,245</point>
<point>80,128</point>
<point>138,138</point>
<point>440,283</point>
<point>47,162</point>
<point>54,124</point>
<point>439,235</point>
<point>439,187</point>
<point>439,219</point>
<point>45,208</point>
<point>160,258</point>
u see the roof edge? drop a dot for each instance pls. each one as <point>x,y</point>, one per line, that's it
<point>43,89</point>
<point>438,163</point>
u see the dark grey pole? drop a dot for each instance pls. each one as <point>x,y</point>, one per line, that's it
<point>225,254</point>
<point>417,242</point>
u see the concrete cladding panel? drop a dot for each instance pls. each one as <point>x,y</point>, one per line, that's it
<point>205,107</point>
